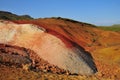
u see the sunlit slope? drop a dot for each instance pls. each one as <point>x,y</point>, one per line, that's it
<point>51,46</point>
<point>109,55</point>
<point>86,35</point>
<point>97,41</point>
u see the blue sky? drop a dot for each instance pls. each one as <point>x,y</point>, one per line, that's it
<point>98,12</point>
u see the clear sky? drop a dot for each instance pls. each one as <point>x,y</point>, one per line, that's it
<point>98,12</point>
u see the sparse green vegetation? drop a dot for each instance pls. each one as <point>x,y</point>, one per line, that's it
<point>111,28</point>
<point>10,16</point>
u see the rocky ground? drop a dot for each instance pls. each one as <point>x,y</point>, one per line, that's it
<point>17,63</point>
<point>12,73</point>
<point>25,58</point>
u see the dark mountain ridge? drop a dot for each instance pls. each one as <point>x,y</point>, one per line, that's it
<point>10,16</point>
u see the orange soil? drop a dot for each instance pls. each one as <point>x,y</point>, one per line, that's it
<point>92,39</point>
<point>82,34</point>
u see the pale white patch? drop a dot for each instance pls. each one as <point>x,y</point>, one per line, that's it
<point>47,46</point>
<point>9,31</point>
<point>6,35</point>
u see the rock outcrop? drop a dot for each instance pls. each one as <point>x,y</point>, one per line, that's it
<point>26,59</point>
<point>50,46</point>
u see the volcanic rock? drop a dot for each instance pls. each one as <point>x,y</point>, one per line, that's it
<point>25,58</point>
<point>50,46</point>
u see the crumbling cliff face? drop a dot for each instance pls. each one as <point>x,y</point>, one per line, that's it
<point>49,46</point>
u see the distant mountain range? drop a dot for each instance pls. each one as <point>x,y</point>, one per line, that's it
<point>10,16</point>
<point>116,25</point>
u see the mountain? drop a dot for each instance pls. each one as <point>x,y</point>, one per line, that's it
<point>115,27</point>
<point>58,45</point>
<point>10,16</point>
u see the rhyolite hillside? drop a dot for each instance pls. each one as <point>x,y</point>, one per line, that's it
<point>61,46</point>
<point>63,53</point>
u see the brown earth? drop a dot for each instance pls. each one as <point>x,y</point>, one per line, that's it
<point>15,56</point>
<point>104,46</point>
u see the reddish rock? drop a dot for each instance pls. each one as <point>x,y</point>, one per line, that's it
<point>53,47</point>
